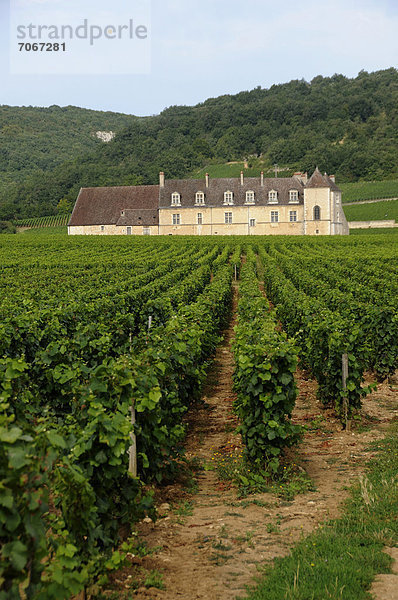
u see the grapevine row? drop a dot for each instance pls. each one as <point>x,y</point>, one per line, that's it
<point>49,221</point>
<point>266,361</point>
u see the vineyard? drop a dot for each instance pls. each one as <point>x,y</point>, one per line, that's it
<point>105,345</point>
<point>387,210</point>
<point>369,190</point>
<point>49,221</point>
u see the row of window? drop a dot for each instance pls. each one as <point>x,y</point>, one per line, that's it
<point>176,218</point>
<point>129,230</point>
<point>229,197</point>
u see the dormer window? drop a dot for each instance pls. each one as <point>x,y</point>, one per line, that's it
<point>249,197</point>
<point>199,198</point>
<point>293,196</point>
<point>228,197</point>
<point>175,199</point>
<point>123,213</point>
<point>273,197</point>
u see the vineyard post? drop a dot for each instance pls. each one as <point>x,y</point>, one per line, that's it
<point>236,273</point>
<point>133,447</point>
<point>149,322</point>
<point>344,361</point>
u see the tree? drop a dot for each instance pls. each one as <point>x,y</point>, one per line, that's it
<point>64,206</point>
<point>7,227</point>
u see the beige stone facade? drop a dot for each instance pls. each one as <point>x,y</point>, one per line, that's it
<point>250,220</point>
<point>112,230</point>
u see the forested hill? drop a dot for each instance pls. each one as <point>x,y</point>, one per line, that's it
<point>36,140</point>
<point>346,126</point>
<point>41,138</point>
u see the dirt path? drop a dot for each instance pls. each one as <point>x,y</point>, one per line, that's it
<point>368,201</point>
<point>385,587</point>
<point>209,542</point>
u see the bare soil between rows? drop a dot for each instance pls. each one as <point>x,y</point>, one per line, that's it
<point>216,550</point>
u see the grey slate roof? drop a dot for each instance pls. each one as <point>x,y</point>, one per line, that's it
<point>139,216</point>
<point>214,194</point>
<point>317,180</point>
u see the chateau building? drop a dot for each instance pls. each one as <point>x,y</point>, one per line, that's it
<point>230,206</point>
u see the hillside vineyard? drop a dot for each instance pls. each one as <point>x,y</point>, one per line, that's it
<point>232,206</point>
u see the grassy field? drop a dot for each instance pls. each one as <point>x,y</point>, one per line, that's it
<point>314,567</point>
<point>372,212</point>
<point>385,231</point>
<point>38,231</point>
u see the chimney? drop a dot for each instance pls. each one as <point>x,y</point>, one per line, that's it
<point>161,179</point>
<point>262,178</point>
<point>207,180</point>
<point>303,177</point>
<point>241,178</point>
<point>333,178</point>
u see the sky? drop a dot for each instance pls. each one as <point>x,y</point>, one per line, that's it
<point>195,49</point>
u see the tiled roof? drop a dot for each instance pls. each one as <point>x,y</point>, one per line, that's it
<point>104,205</point>
<point>139,216</point>
<point>214,194</point>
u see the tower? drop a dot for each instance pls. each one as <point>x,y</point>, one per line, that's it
<point>323,212</point>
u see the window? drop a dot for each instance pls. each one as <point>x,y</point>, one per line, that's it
<point>228,218</point>
<point>176,219</point>
<point>175,199</point>
<point>228,198</point>
<point>146,231</point>
<point>273,197</point>
<point>293,196</point>
<point>200,218</point>
<point>317,213</point>
<point>252,223</point>
<point>274,216</point>
<point>293,216</point>
<point>199,198</point>
<point>249,197</point>
<point>337,196</point>
<point>129,230</point>
<point>102,227</point>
